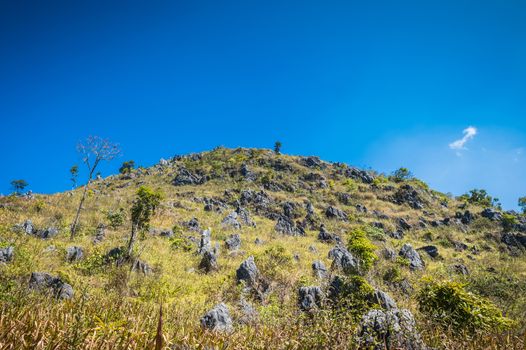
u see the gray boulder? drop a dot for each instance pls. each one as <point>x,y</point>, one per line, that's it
<point>326,236</point>
<point>100,234</point>
<point>335,213</point>
<point>310,298</point>
<point>217,319</point>
<point>74,254</point>
<point>343,260</point>
<point>6,254</point>
<point>287,226</point>
<point>233,242</point>
<point>415,261</point>
<point>319,269</point>
<point>185,177</point>
<point>204,244</point>
<point>384,300</point>
<point>248,272</point>
<point>45,283</point>
<point>141,267</point>
<point>389,329</point>
<point>491,214</point>
<point>49,232</point>
<point>407,194</point>
<point>230,221</point>
<point>243,216</point>
<point>404,225</point>
<point>431,250</point>
<point>208,262</point>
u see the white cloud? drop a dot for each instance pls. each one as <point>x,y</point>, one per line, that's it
<point>469,133</point>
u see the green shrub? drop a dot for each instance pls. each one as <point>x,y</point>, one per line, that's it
<point>180,241</point>
<point>392,274</point>
<point>480,197</point>
<point>354,295</point>
<point>115,218</point>
<point>451,306</point>
<point>508,222</point>
<point>274,260</point>
<point>401,174</point>
<point>93,263</point>
<point>362,247</point>
<point>374,233</point>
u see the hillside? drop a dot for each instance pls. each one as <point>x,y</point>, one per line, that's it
<point>250,249</point>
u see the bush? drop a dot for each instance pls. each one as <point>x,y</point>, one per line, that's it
<point>451,306</point>
<point>127,167</point>
<point>362,247</point>
<point>508,222</point>
<point>180,241</point>
<point>353,295</point>
<point>401,174</point>
<point>480,197</point>
<point>115,218</point>
<point>275,259</point>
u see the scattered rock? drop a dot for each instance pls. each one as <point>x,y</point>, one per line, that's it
<point>310,298</point>
<point>466,218</point>
<point>287,226</point>
<point>258,241</point>
<point>361,208</point>
<point>345,198</point>
<point>335,213</point>
<point>142,267</point>
<point>208,262</point>
<point>6,254</point>
<point>248,272</point>
<point>408,252</point>
<point>45,283</point>
<point>461,269</point>
<point>384,300</point>
<point>230,221</point>
<point>192,225</point>
<point>389,329</point>
<point>233,242</point>
<point>327,237</point>
<point>319,269</point>
<point>407,194</point>
<point>404,225</point>
<point>431,250</point>
<point>217,319</point>
<point>358,174</point>
<point>514,240</point>
<point>216,205</point>
<point>74,253</point>
<point>185,177</point>
<point>342,259</point>
<point>389,254</point>
<point>204,244</point>
<point>249,315</point>
<point>244,216</point>
<point>247,174</point>
<point>100,234</point>
<point>491,214</point>
<point>398,234</point>
<point>312,162</point>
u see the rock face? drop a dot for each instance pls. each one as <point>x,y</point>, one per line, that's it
<point>514,240</point>
<point>248,272</point>
<point>335,213</point>
<point>390,329</point>
<point>491,214</point>
<point>319,269</point>
<point>310,298</point>
<point>243,216</point>
<point>408,252</point>
<point>6,254</point>
<point>54,286</point>
<point>431,250</point>
<point>217,319</point>
<point>208,262</point>
<point>343,260</point>
<point>233,242</point>
<point>74,254</point>
<point>406,194</point>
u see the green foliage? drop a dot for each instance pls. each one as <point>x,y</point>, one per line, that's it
<point>392,274</point>
<point>362,247</point>
<point>277,147</point>
<point>449,305</point>
<point>380,180</point>
<point>144,206</point>
<point>39,205</point>
<point>19,185</point>
<point>508,222</point>
<point>92,263</point>
<point>374,233</point>
<point>275,260</point>
<point>74,171</point>
<point>350,185</point>
<point>522,204</point>
<point>127,167</point>
<point>180,241</point>
<point>355,296</point>
<point>480,197</point>
<point>401,174</point>
<point>115,218</point>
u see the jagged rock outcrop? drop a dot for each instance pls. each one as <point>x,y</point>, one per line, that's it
<point>74,253</point>
<point>248,272</point>
<point>217,319</point>
<point>100,234</point>
<point>384,300</point>
<point>335,213</point>
<point>287,226</point>
<point>407,194</point>
<point>230,221</point>
<point>491,214</point>
<point>389,329</point>
<point>205,244</point>
<point>208,262</point>
<point>6,254</point>
<point>415,261</point>
<point>233,242</point>
<point>327,237</point>
<point>319,270</point>
<point>54,286</point>
<point>185,177</point>
<point>310,298</point>
<point>141,266</point>
<point>343,260</point>
<point>431,250</point>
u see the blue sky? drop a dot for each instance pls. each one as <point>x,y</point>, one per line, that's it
<point>371,83</point>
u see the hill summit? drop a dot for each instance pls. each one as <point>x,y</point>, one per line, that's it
<point>251,249</point>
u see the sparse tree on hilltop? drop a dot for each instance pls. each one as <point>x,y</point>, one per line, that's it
<point>402,174</point>
<point>19,185</point>
<point>277,147</point>
<point>127,167</point>
<point>94,150</point>
<point>74,171</point>
<point>143,209</point>
<point>522,204</point>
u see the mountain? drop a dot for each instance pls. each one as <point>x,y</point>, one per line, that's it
<point>246,248</point>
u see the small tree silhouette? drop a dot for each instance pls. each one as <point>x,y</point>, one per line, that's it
<point>277,147</point>
<point>19,185</point>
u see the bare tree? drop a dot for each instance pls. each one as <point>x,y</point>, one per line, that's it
<point>94,150</point>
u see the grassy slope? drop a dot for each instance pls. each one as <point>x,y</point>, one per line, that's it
<point>114,308</point>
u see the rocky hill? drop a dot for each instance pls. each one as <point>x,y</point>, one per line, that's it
<point>252,249</point>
